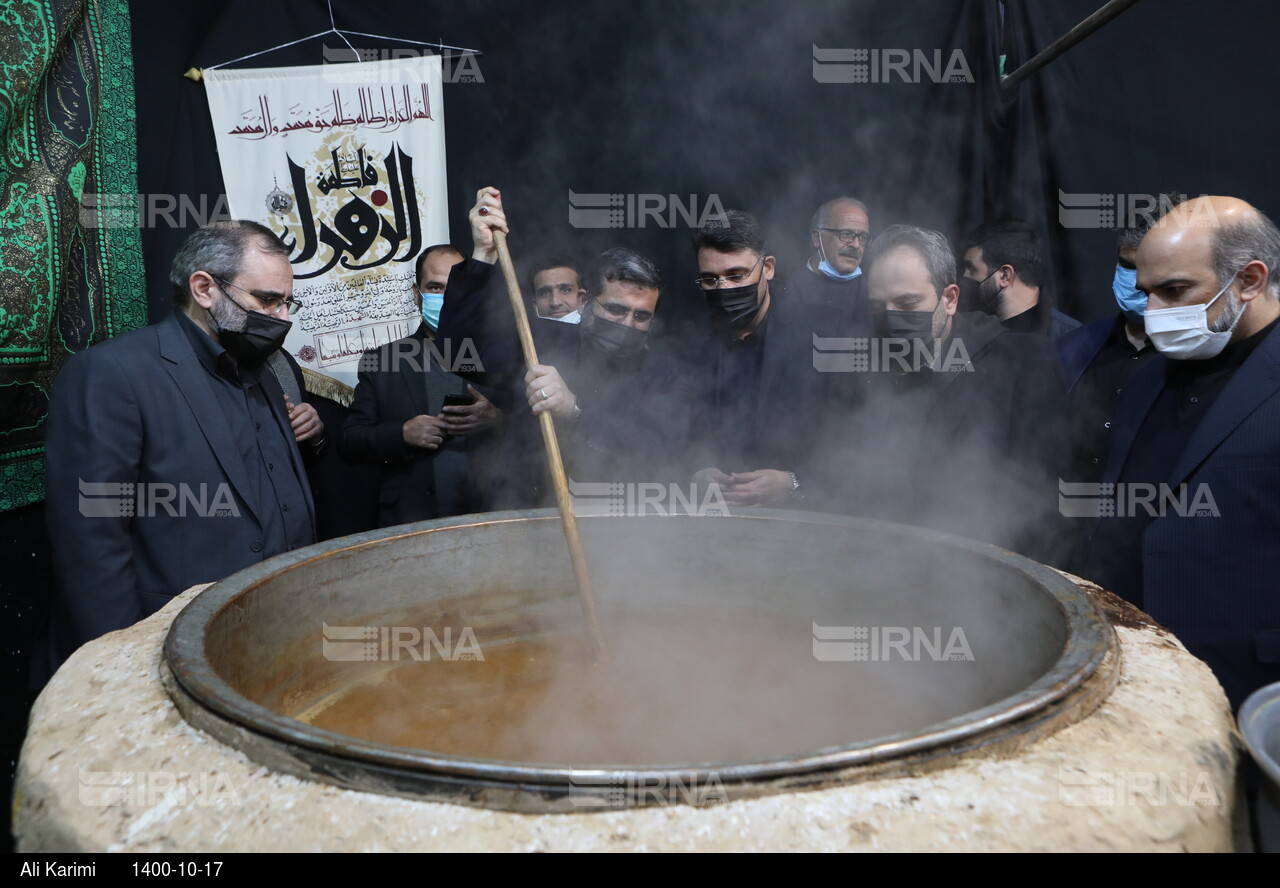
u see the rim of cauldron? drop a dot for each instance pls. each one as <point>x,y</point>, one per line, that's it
<point>1087,643</point>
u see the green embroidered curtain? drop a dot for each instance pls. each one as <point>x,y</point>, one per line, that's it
<point>70,275</point>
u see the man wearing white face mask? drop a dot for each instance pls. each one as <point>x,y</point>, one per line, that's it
<point>1196,448</point>
<point>558,294</point>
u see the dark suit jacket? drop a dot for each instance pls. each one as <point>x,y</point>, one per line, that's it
<point>636,412</point>
<point>397,382</point>
<point>1215,580</point>
<point>971,452</point>
<point>141,409</point>
<point>789,398</point>
<point>1077,348</point>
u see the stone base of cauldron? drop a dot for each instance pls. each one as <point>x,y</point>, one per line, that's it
<point>110,764</point>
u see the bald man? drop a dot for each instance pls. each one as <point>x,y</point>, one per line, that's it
<point>1195,535</point>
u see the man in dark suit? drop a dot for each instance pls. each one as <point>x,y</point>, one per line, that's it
<point>171,456</point>
<point>1098,360</point>
<point>763,395</point>
<point>1195,459</point>
<point>961,428</point>
<point>417,418</point>
<point>622,408</point>
<point>839,231</point>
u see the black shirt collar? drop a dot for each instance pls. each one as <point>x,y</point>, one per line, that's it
<point>209,351</point>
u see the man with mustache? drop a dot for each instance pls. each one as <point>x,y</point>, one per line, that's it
<point>839,232</point>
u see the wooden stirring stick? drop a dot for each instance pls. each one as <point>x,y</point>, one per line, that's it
<point>558,478</point>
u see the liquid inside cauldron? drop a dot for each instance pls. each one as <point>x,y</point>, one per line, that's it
<point>448,660</point>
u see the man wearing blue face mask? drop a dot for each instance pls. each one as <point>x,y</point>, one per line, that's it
<point>839,233</point>
<point>416,418</point>
<point>1195,459</point>
<point>1099,358</point>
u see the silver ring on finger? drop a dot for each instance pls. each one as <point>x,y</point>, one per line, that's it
<point>543,393</point>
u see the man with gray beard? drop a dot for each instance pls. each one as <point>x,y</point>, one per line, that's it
<point>1193,502</point>
<point>171,454</point>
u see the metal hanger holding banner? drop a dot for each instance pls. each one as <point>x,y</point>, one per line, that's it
<point>197,74</point>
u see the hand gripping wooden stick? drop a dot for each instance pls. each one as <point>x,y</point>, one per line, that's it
<point>558,478</point>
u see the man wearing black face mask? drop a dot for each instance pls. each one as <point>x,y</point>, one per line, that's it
<point>1006,263</point>
<point>763,395</point>
<point>172,457</point>
<point>622,408</point>
<point>962,428</point>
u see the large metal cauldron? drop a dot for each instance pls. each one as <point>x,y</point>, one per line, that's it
<point>795,651</point>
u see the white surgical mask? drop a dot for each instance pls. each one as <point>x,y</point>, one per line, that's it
<point>1183,334</point>
<point>572,317</point>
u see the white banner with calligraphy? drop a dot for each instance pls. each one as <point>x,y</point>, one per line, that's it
<point>346,163</point>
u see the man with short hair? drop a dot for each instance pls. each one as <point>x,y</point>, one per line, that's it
<point>1007,262</point>
<point>962,429</point>
<point>622,409</point>
<point>556,285</point>
<point>171,456</point>
<point>1195,454</point>
<point>1100,357</point>
<point>421,422</point>
<point>764,395</point>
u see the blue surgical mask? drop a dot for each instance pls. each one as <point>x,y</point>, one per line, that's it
<point>431,305</point>
<point>830,271</point>
<point>826,268</point>
<point>1132,301</point>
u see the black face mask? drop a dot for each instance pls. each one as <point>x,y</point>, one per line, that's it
<point>737,305</point>
<point>611,338</point>
<point>912,327</point>
<point>971,298</point>
<point>916,325</point>
<point>261,336</point>
<point>988,297</point>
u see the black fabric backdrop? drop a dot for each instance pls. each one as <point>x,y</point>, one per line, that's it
<point>681,97</point>
<point>671,97</point>
<point>1174,95</point>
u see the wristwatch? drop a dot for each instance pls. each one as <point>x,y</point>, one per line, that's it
<point>796,492</point>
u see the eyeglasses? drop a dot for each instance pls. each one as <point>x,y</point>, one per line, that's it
<point>271,304</point>
<point>618,312</point>
<point>848,235</point>
<point>711,281</point>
